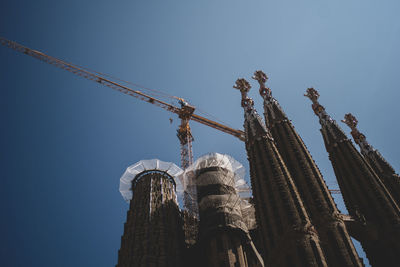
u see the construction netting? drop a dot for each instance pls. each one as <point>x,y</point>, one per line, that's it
<point>153,232</point>
<point>133,172</point>
<point>217,182</point>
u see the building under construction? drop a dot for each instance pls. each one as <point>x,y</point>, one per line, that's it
<point>205,215</point>
<point>289,219</point>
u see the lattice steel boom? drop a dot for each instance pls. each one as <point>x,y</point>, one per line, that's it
<point>185,112</point>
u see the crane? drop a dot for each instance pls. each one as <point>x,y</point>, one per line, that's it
<point>185,111</point>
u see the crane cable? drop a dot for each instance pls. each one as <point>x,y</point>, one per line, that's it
<point>150,91</point>
<point>85,73</point>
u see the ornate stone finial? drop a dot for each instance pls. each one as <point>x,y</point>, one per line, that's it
<point>350,120</point>
<point>244,87</point>
<point>312,94</point>
<point>327,123</point>
<point>262,78</point>
<point>359,138</point>
<point>366,148</point>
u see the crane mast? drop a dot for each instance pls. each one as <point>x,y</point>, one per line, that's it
<point>185,134</point>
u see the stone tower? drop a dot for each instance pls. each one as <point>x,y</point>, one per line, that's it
<point>224,238</point>
<point>318,202</point>
<point>289,238</point>
<point>153,233</point>
<point>382,168</point>
<point>365,196</point>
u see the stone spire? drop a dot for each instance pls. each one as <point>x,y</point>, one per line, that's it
<point>319,204</point>
<point>272,110</point>
<point>381,167</point>
<point>365,196</point>
<point>223,234</point>
<point>153,234</point>
<point>332,130</point>
<point>289,238</point>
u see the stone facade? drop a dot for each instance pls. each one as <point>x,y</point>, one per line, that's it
<point>153,232</point>
<point>376,215</point>
<point>318,202</point>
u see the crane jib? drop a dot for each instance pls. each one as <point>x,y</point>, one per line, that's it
<point>116,86</point>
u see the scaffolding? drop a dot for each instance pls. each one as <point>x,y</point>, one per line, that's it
<point>239,201</point>
<point>153,232</point>
<point>131,176</point>
<point>225,215</point>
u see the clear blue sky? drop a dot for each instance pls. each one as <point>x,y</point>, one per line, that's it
<point>66,141</point>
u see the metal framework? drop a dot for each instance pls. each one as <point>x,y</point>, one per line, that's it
<point>185,112</point>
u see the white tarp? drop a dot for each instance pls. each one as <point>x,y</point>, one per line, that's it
<point>240,203</point>
<point>218,160</point>
<point>147,165</point>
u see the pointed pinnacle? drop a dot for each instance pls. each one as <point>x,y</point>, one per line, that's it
<point>262,78</point>
<point>244,87</point>
<point>312,94</point>
<point>350,120</point>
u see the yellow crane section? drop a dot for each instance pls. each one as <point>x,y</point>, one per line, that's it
<point>184,112</point>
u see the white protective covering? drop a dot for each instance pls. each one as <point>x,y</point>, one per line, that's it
<point>147,165</point>
<point>248,214</point>
<point>241,186</point>
<point>218,160</point>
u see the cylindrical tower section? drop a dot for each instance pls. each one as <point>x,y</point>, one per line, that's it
<point>153,234</point>
<point>224,238</point>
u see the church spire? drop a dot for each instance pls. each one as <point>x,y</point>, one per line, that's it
<point>384,170</point>
<point>254,121</point>
<point>365,196</point>
<point>289,238</point>
<point>328,124</point>
<point>272,111</point>
<point>318,202</point>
